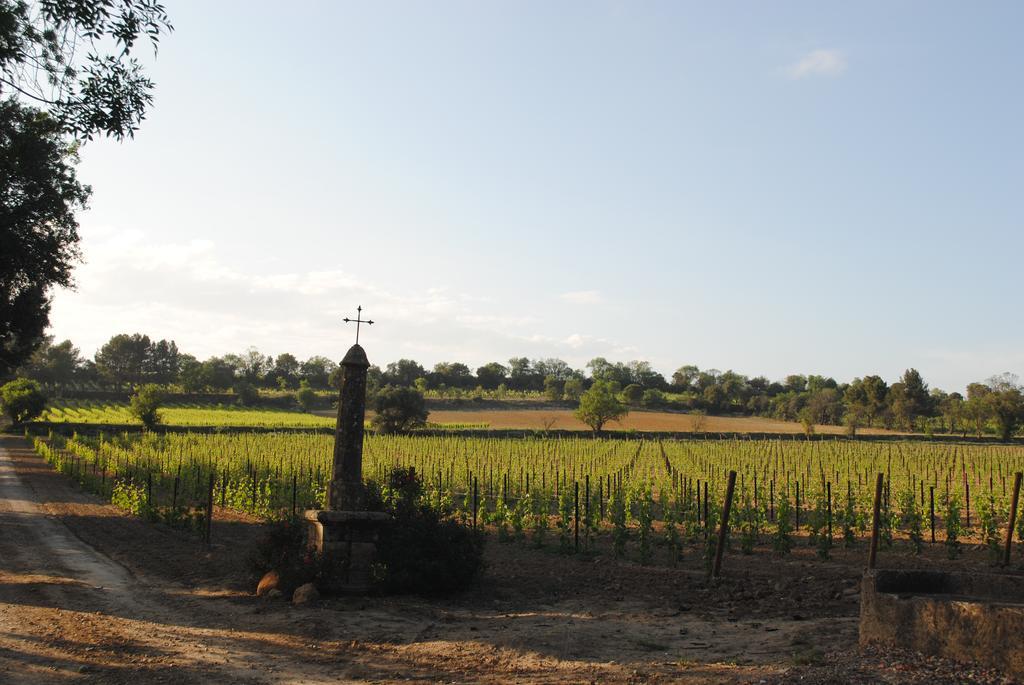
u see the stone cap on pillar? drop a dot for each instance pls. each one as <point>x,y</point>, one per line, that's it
<point>355,356</point>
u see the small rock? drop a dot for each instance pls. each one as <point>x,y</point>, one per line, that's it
<point>270,581</point>
<point>305,593</point>
<point>273,594</point>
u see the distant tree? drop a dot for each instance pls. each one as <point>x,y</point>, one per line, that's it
<point>145,404</point>
<point>398,409</point>
<point>252,366</point>
<point>124,359</point>
<point>163,363</point>
<point>572,389</point>
<point>652,398</point>
<point>305,395</point>
<point>374,380</point>
<point>491,375</point>
<point>22,400</point>
<point>403,373</point>
<point>632,393</point>
<point>1006,404</point>
<point>796,383</point>
<point>451,374</point>
<point>599,405</point>
<point>825,406</point>
<point>553,388</point>
<point>714,398</point>
<point>909,400</point>
<point>248,394</point>
<point>684,377</point>
<point>520,375</point>
<point>53,364</point>
<point>977,409</point>
<point>317,371</point>
<point>190,374</point>
<point>285,372</point>
<point>556,368</point>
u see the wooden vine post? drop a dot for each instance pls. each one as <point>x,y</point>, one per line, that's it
<point>872,556</point>
<point>723,529</point>
<point>1013,518</point>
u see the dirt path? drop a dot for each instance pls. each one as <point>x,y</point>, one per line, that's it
<point>88,594</point>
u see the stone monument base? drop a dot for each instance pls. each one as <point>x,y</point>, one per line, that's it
<point>349,539</point>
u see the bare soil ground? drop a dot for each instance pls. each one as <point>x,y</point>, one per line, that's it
<point>88,594</point>
<point>563,419</point>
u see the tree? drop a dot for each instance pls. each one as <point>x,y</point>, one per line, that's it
<point>403,373</point>
<point>145,404</point>
<point>67,67</point>
<point>124,358</point>
<point>22,400</point>
<point>451,374</point>
<point>76,58</point>
<point>599,405</point>
<point>53,364</point>
<point>305,396</point>
<point>491,375</point>
<point>317,370</point>
<point>632,393</point>
<point>572,389</point>
<point>285,371</point>
<point>398,409</point>
<point>684,377</point>
<point>164,362</point>
<point>1006,404</point>
<point>553,388</point>
<point>39,194</point>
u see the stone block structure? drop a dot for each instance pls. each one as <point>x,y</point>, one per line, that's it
<point>975,617</point>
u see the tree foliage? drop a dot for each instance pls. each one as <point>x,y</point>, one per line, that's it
<point>76,59</point>
<point>599,405</point>
<point>22,400</point>
<point>39,194</point>
<point>398,409</point>
<point>145,404</point>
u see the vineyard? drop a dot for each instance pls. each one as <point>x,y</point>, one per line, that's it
<point>640,495</point>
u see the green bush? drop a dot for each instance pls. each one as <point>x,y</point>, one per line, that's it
<point>145,404</point>
<point>398,409</point>
<point>22,400</point>
<point>305,396</point>
<point>418,551</point>
<point>248,394</point>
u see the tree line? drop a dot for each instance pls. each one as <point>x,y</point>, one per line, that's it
<point>128,360</point>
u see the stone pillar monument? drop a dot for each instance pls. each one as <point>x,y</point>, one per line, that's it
<point>346,492</point>
<point>346,532</point>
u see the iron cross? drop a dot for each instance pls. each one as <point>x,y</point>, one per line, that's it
<point>358,321</point>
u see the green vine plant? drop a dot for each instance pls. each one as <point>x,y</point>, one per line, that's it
<point>782,542</point>
<point>954,528</point>
<point>912,520</point>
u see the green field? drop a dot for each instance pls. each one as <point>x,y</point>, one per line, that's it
<point>632,484</point>
<point>184,415</point>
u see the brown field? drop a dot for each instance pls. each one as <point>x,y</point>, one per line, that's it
<point>563,419</point>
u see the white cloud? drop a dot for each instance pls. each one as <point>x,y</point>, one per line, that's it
<point>582,297</point>
<point>818,63</point>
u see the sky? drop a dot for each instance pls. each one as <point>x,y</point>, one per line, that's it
<point>773,188</point>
